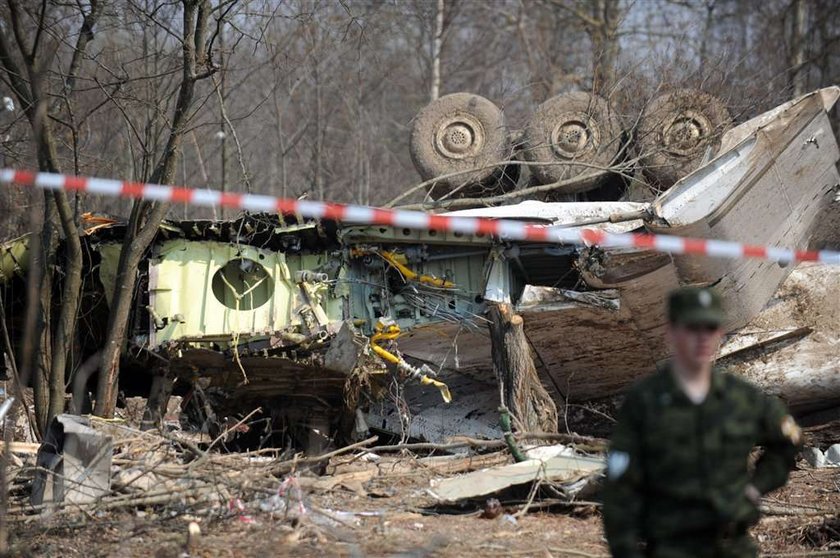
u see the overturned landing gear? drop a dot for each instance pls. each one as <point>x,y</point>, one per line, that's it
<point>676,131</point>
<point>570,136</point>
<point>461,139</point>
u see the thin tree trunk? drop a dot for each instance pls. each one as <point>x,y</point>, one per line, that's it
<point>319,137</point>
<point>53,347</point>
<point>538,85</point>
<point>70,297</point>
<point>708,26</point>
<point>437,43</point>
<point>799,75</point>
<point>367,181</point>
<point>43,349</point>
<point>605,46</point>
<point>60,334</point>
<point>146,217</point>
<point>222,129</point>
<point>824,61</point>
<point>281,141</point>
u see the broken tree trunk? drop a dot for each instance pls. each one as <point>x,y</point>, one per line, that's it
<point>522,392</point>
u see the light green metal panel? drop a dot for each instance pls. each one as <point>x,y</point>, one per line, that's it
<point>374,293</point>
<point>467,272</point>
<point>181,287</point>
<point>14,258</point>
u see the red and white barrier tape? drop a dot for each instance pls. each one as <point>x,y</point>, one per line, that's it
<point>363,215</point>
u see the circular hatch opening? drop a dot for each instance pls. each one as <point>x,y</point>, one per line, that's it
<point>243,279</point>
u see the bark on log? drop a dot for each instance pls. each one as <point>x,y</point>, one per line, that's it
<point>522,392</point>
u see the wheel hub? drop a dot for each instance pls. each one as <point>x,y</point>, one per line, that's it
<point>575,135</point>
<point>686,132</point>
<point>459,137</point>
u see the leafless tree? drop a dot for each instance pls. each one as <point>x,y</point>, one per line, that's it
<point>317,98</point>
<point>196,46</point>
<point>30,41</point>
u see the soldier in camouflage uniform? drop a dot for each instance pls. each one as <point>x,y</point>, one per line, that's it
<point>679,483</point>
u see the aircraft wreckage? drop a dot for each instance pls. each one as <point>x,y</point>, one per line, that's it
<point>348,327</point>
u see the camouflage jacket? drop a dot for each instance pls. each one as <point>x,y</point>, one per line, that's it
<point>678,468</point>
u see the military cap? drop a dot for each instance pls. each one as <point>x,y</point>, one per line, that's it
<point>695,305</point>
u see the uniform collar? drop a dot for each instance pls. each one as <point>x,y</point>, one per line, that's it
<point>716,387</point>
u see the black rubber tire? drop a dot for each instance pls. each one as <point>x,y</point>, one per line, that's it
<point>675,131</point>
<point>458,133</point>
<point>571,127</point>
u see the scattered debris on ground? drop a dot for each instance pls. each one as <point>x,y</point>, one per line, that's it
<point>307,333</point>
<point>170,495</point>
<point>817,458</point>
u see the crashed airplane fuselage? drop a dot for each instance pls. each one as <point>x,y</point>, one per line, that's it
<point>317,312</point>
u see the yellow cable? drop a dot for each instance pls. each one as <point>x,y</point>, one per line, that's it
<point>394,260</point>
<point>443,388</point>
<point>391,332</point>
<point>411,275</point>
<point>385,355</point>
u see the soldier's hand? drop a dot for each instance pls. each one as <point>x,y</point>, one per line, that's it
<point>753,494</point>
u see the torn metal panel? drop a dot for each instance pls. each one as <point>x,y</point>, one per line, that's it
<point>109,253</point>
<point>204,289</point>
<point>567,471</point>
<point>498,286</point>
<point>588,351</point>
<point>766,190</point>
<point>613,267</point>
<point>828,96</point>
<point>451,347</point>
<point>346,350</point>
<point>742,344</point>
<point>294,375</point>
<point>473,412</point>
<point>14,253</point>
<point>547,299</point>
<point>805,374</point>
<point>74,463</point>
<point>592,214</point>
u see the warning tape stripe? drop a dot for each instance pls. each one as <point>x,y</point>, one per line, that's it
<point>416,220</point>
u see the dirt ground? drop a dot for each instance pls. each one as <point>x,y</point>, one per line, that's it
<point>392,518</point>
